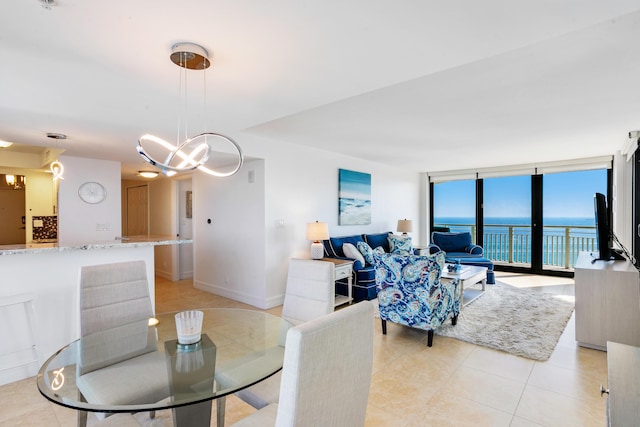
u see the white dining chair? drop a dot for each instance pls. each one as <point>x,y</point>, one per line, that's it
<point>326,374</point>
<point>310,293</point>
<point>19,312</point>
<point>117,343</point>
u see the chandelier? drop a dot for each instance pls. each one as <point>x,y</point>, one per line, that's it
<point>192,152</point>
<point>16,182</point>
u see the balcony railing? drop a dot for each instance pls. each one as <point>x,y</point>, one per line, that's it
<point>511,244</point>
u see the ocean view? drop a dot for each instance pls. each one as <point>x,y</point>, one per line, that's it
<point>557,221</point>
<point>508,239</point>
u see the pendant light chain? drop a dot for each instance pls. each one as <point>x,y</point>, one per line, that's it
<point>186,95</point>
<point>180,106</point>
<point>204,100</point>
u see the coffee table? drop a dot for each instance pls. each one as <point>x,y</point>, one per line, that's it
<point>468,275</point>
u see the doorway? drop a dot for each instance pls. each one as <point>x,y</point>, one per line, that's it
<point>137,211</point>
<point>12,216</point>
<point>185,229</point>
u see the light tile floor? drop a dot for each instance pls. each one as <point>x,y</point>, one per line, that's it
<point>452,383</point>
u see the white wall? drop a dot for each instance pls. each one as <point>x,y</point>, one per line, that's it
<point>229,251</point>
<point>244,253</point>
<point>622,200</point>
<point>302,187</point>
<point>162,222</point>
<point>78,221</point>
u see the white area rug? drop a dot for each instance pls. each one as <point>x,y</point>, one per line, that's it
<point>524,322</point>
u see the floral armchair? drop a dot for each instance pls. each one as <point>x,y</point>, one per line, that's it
<point>410,292</point>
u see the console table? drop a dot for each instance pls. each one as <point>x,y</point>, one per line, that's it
<point>607,302</point>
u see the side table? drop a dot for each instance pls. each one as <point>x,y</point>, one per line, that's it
<point>343,270</point>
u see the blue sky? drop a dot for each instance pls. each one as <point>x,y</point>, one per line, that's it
<point>565,195</point>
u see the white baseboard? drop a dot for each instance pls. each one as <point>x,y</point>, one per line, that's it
<point>239,296</point>
<point>19,373</point>
<point>164,274</point>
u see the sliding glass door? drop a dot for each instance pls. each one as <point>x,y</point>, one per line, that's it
<point>536,222</point>
<point>507,219</point>
<point>454,206</point>
<point>568,216</point>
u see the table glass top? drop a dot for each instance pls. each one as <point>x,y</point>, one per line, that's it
<point>138,367</point>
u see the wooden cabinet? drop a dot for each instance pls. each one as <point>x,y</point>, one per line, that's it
<point>607,302</point>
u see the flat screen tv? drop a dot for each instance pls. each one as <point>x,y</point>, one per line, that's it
<point>603,231</point>
<point>602,226</point>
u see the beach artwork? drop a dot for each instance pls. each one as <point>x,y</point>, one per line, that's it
<point>354,197</point>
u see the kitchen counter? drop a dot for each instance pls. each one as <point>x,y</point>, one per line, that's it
<point>128,242</point>
<point>51,273</point>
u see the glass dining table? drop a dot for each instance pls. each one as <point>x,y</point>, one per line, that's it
<point>142,367</point>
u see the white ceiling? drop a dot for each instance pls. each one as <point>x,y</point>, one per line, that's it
<point>423,85</point>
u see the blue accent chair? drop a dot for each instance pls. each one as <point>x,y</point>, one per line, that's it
<point>410,292</point>
<point>458,246</point>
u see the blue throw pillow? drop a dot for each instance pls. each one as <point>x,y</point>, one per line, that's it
<point>378,239</point>
<point>400,245</point>
<point>366,252</point>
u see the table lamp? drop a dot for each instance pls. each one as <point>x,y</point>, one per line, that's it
<point>405,226</point>
<point>317,231</point>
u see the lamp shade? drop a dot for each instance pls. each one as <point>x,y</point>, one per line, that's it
<point>317,231</point>
<point>405,226</point>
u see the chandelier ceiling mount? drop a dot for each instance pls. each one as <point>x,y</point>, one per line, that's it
<point>190,55</point>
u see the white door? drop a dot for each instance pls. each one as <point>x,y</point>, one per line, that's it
<point>137,211</point>
<point>185,229</point>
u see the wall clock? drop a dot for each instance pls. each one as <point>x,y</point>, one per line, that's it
<point>92,192</point>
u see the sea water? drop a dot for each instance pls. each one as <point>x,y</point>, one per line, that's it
<point>581,231</point>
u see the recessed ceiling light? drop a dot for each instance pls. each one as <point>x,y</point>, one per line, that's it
<point>5,144</point>
<point>148,174</point>
<point>48,3</point>
<point>54,135</point>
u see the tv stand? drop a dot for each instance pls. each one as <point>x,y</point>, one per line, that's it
<point>616,255</point>
<point>607,302</point>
